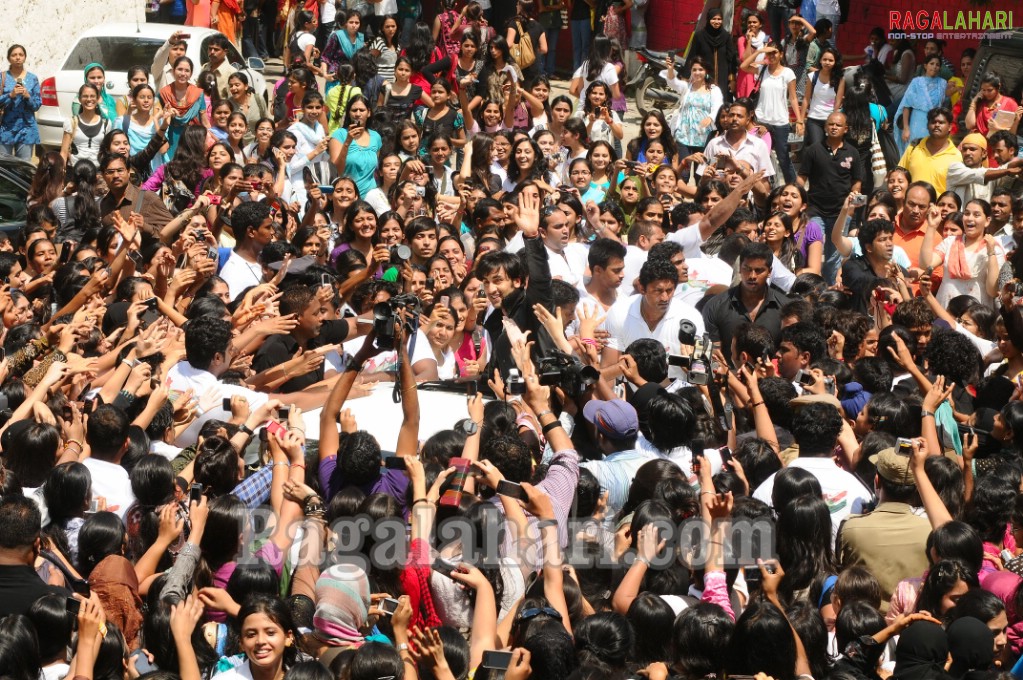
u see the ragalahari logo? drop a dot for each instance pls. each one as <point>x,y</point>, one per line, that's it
<point>946,25</point>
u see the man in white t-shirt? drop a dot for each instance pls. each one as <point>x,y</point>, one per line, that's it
<point>253,228</point>
<point>816,428</point>
<point>606,259</point>
<point>107,437</point>
<point>655,313</point>
<point>644,235</point>
<point>566,263</point>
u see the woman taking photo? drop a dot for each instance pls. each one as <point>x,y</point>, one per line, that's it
<point>777,96</point>
<point>84,133</point>
<point>923,94</point>
<point>185,101</point>
<point>19,100</point>
<point>825,89</point>
<point>700,100</point>
<point>246,101</point>
<point>354,148</point>
<point>602,123</point>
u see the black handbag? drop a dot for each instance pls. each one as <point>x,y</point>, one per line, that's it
<point>886,138</point>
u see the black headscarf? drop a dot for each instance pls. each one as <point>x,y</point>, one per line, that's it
<point>716,37</point>
<point>921,653</point>
<point>971,643</point>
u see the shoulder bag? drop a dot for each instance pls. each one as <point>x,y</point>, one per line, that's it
<point>522,51</point>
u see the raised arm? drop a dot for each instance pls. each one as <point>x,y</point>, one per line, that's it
<point>408,435</point>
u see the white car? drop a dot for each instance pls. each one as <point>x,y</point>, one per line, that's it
<point>118,47</point>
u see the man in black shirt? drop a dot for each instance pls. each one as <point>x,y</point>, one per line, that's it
<point>863,273</point>
<point>20,585</point>
<point>834,166</point>
<point>753,301</point>
<point>312,331</point>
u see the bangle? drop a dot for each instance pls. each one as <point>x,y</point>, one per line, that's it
<point>280,462</point>
<point>641,560</point>
<point>550,426</point>
<point>756,403</point>
<point>422,500</point>
<point>924,414</point>
<point>590,341</point>
<point>69,442</point>
<point>298,465</point>
<point>541,414</point>
<point>707,493</point>
<point>295,427</point>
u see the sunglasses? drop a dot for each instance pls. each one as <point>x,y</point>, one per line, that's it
<point>533,612</point>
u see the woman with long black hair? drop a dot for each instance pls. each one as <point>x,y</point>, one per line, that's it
<point>805,547</point>
<point>597,67</point>
<point>864,119</point>
<point>524,23</point>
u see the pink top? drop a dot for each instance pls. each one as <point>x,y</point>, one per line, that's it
<point>268,553</point>
<point>715,591</point>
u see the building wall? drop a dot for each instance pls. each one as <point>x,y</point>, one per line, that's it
<point>47,28</point>
<point>671,22</point>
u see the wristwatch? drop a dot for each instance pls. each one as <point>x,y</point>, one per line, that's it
<point>469,427</point>
<point>246,429</point>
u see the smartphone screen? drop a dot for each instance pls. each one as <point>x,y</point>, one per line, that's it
<point>511,490</point>
<point>496,659</point>
<point>453,495</point>
<point>395,463</point>
<point>227,404</point>
<point>195,493</point>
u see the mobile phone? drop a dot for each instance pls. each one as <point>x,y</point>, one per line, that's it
<point>273,427</point>
<point>151,303</point>
<point>420,191</point>
<point>481,293</point>
<point>195,493</point>
<point>215,199</point>
<point>430,283</point>
<point>283,412</point>
<point>227,404</point>
<point>136,257</point>
<point>511,490</point>
<point>395,463</point>
<point>326,281</point>
<point>93,506</point>
<point>665,198</point>
<point>184,36</point>
<point>73,606</point>
<point>66,249</point>
<point>87,406</point>
<point>726,455</point>
<point>445,300</point>
<point>805,378</point>
<point>326,189</point>
<point>443,567</point>
<point>904,447</point>
<point>199,234</point>
<point>471,389</point>
<point>453,496</point>
<point>750,367</point>
<point>3,353</point>
<point>388,606</point>
<point>631,164</point>
<point>211,253</point>
<point>496,659</point>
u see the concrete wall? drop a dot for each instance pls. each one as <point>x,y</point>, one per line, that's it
<point>47,28</point>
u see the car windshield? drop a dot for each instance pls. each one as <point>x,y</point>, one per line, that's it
<point>115,53</point>
<point>12,193</point>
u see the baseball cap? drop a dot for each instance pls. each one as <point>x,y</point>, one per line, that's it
<point>893,467</point>
<point>615,419</point>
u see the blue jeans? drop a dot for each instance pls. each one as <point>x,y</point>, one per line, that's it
<point>407,24</point>
<point>253,44</point>
<point>549,62</point>
<point>581,36</point>
<point>832,259</point>
<point>22,151</point>
<point>780,144</point>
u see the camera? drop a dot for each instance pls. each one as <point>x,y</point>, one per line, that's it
<point>566,371</point>
<point>903,446</point>
<point>385,316</point>
<point>515,384</point>
<point>804,378</point>
<point>680,361</point>
<point>400,254</point>
<point>699,368</point>
<point>858,201</point>
<point>686,333</point>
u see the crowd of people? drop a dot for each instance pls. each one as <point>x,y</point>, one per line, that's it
<point>728,411</point>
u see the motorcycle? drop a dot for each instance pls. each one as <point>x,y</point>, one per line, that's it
<point>652,92</point>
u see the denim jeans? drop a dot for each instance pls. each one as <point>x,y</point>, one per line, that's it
<point>814,133</point>
<point>832,258</point>
<point>581,36</point>
<point>780,144</point>
<point>778,19</point>
<point>549,62</point>
<point>253,44</point>
<point>22,151</point>
<point>407,24</point>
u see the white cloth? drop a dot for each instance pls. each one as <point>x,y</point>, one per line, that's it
<point>183,377</point>
<point>568,266</point>
<point>709,271</point>
<point>625,324</point>
<point>385,8</point>
<point>977,261</point>
<point>773,106</point>
<point>113,483</point>
<point>164,449</point>
<point>752,150</point>
<point>634,259</point>
<point>843,492</point>
<point>608,75</point>
<point>968,183</point>
<point>690,239</point>
<point>240,274</point>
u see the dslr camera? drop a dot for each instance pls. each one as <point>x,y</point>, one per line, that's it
<point>386,315</point>
<point>565,371</point>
